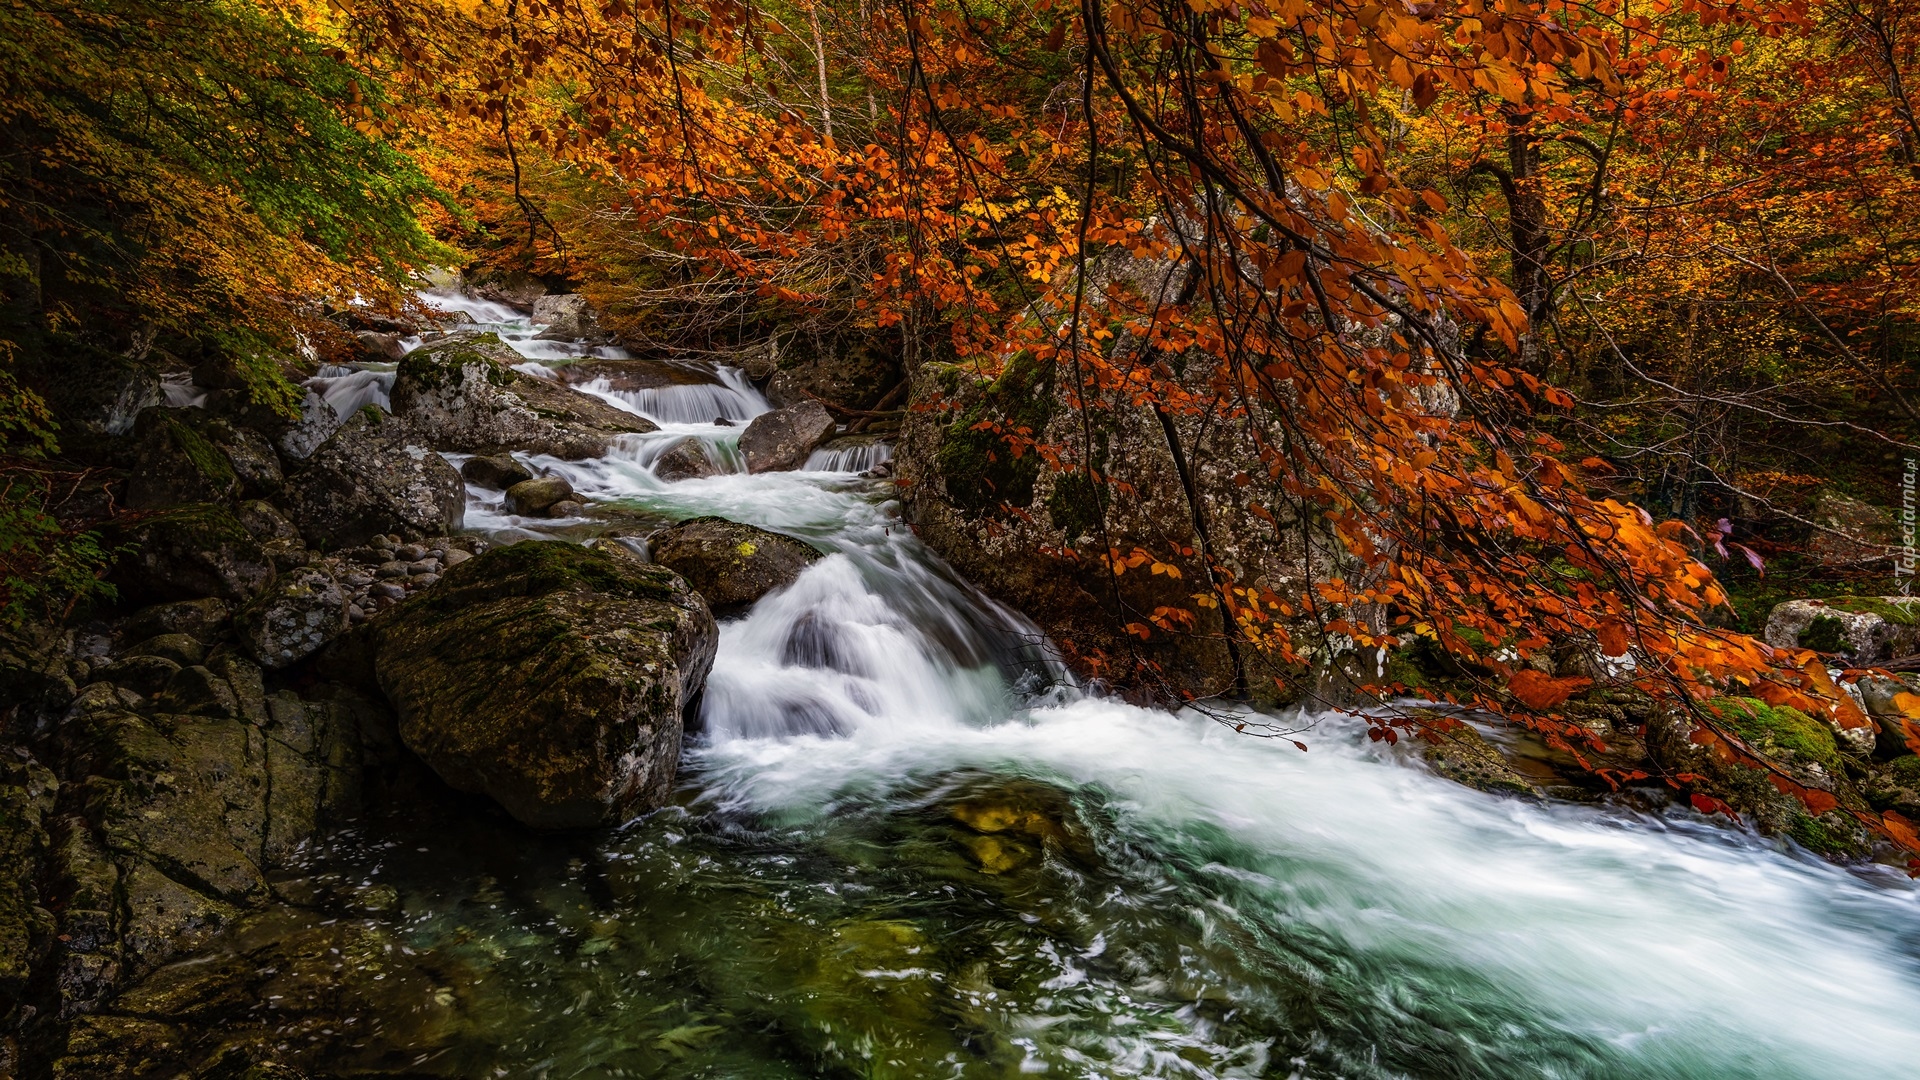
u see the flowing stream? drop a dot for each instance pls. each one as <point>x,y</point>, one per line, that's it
<point>907,847</point>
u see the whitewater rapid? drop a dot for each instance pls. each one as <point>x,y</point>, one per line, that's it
<point>1242,909</point>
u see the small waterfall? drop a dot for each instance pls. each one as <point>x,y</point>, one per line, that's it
<point>179,390</point>
<point>733,398</point>
<point>850,456</point>
<point>348,389</point>
<point>480,311</point>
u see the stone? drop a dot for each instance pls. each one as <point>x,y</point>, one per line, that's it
<point>1850,532</point>
<point>567,508</point>
<point>850,370</point>
<point>516,289</point>
<point>1865,630</point>
<point>730,564</point>
<point>381,346</point>
<point>462,394</point>
<point>533,497</point>
<point>552,677</point>
<point>179,648</point>
<point>291,621</point>
<point>204,619</point>
<point>566,317</point>
<point>27,792</point>
<point>684,461</point>
<point>455,556</point>
<point>1464,756</point>
<point>374,477</point>
<point>497,471</point>
<point>190,552</point>
<point>781,440</point>
<point>1877,697</point>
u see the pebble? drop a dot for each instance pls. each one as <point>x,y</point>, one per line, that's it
<point>409,553</point>
<point>455,557</point>
<point>358,578</point>
<point>356,613</point>
<point>424,566</point>
<point>388,590</point>
<point>392,569</point>
<point>425,580</point>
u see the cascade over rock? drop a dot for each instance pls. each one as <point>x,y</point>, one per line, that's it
<point>552,677</point>
<point>729,563</point>
<point>462,393</point>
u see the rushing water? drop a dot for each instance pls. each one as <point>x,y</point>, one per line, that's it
<point>907,847</point>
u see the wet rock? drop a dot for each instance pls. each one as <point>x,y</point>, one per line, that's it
<point>187,455</point>
<point>191,552</point>
<point>1865,630</point>
<point>374,477</point>
<point>1897,734</point>
<point>303,611</point>
<point>381,346</point>
<point>533,497</point>
<point>566,317</point>
<point>781,440</point>
<point>730,564</point>
<point>567,508</point>
<point>1465,757</point>
<point>497,471</point>
<point>461,393</point>
<point>685,461</point>
<point>850,370</point>
<point>551,677</point>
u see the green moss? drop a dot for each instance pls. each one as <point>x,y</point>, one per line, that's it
<point>1895,613</point>
<point>206,458</point>
<point>1824,634</point>
<point>538,567</point>
<point>1775,730</point>
<point>979,467</point>
<point>446,366</point>
<point>1815,836</point>
<point>1906,771</point>
<point>1074,505</point>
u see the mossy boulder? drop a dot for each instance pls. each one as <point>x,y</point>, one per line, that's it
<point>731,564</point>
<point>189,552</point>
<point>551,677</point>
<point>375,477</point>
<point>1464,756</point>
<point>462,393</point>
<point>1791,743</point>
<point>1864,630</point>
<point>27,791</point>
<point>188,455</point>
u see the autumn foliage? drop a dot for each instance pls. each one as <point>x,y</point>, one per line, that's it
<point>1379,239</point>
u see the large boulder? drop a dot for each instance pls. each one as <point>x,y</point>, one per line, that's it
<point>781,440</point>
<point>189,552</point>
<point>853,371</point>
<point>538,495</point>
<point>1866,630</point>
<point>566,317</point>
<point>516,288</point>
<point>551,677</point>
<point>1849,532</point>
<point>374,477</point>
<point>189,455</point>
<point>462,393</point>
<point>731,564</point>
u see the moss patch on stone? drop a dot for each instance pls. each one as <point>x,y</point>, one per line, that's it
<point>1895,613</point>
<point>438,366</point>
<point>979,466</point>
<point>1775,730</point>
<point>1824,634</point>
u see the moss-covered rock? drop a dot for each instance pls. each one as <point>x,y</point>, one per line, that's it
<point>190,552</point>
<point>1799,747</point>
<point>27,791</point>
<point>551,677</point>
<point>1864,630</point>
<point>462,393</point>
<point>731,564</point>
<point>1465,757</point>
<point>188,455</point>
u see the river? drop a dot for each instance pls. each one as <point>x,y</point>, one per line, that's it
<point>906,846</point>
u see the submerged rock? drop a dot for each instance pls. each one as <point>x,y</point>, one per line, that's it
<point>552,677</point>
<point>781,440</point>
<point>374,477</point>
<point>731,564</point>
<point>461,393</point>
<point>685,461</point>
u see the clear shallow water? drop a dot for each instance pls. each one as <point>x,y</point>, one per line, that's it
<point>905,846</point>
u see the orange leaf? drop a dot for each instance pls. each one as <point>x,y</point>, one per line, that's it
<point>1538,691</point>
